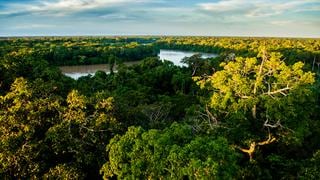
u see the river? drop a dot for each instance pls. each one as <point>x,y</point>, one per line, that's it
<point>78,71</point>
<point>174,56</point>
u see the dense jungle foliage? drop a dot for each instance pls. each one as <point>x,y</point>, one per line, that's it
<point>250,113</point>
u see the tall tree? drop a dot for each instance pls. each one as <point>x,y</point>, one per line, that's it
<point>261,96</point>
<point>24,120</point>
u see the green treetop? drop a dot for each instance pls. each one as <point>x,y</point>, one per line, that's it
<point>261,95</point>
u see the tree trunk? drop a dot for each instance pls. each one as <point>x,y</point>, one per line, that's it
<point>314,61</point>
<point>253,145</point>
<point>254,109</point>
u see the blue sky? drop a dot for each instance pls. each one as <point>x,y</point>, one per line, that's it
<point>291,18</point>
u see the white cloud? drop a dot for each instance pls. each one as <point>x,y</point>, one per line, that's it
<point>32,26</point>
<point>281,23</point>
<point>118,17</point>
<point>223,6</point>
<point>78,5</point>
<point>220,17</point>
<point>264,9</point>
<point>311,8</point>
<point>63,7</point>
<point>258,8</point>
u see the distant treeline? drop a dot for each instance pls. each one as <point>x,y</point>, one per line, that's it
<point>84,51</point>
<point>97,50</point>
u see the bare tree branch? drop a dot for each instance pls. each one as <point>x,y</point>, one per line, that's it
<point>253,146</point>
<point>212,118</point>
<point>278,124</point>
<point>281,91</point>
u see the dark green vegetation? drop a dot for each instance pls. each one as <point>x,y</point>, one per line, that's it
<point>251,113</point>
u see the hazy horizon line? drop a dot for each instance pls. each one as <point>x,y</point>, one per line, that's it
<point>158,35</point>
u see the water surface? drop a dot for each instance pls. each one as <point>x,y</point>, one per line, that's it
<point>174,56</point>
<point>78,71</point>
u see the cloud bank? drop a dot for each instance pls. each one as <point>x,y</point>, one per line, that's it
<point>161,17</point>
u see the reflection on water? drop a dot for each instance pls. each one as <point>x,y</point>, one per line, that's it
<point>174,56</point>
<point>76,72</point>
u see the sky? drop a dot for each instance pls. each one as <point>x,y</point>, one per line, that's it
<point>276,18</point>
